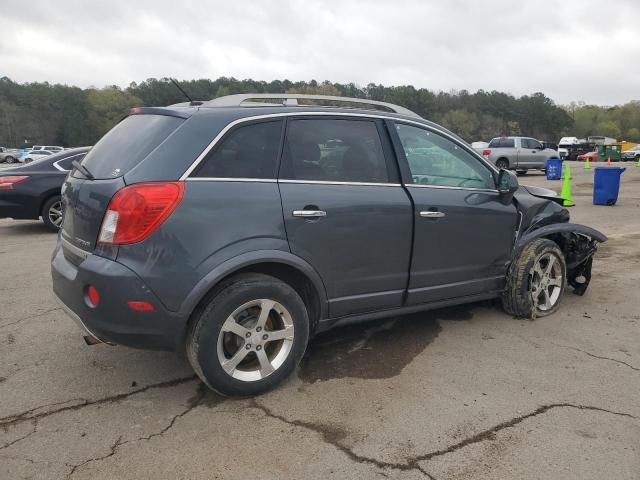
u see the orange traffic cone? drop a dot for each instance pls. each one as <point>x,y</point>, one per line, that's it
<point>609,160</point>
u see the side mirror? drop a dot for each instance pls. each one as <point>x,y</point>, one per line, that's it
<point>507,184</point>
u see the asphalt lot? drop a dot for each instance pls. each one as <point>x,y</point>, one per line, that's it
<point>464,392</point>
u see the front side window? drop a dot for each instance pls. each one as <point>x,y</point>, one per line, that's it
<point>535,144</point>
<point>249,151</point>
<point>333,150</point>
<point>436,160</point>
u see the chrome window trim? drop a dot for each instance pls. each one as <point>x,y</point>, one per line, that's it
<point>418,185</point>
<point>58,167</point>
<point>239,121</point>
<point>228,179</point>
<point>327,182</point>
<point>273,180</point>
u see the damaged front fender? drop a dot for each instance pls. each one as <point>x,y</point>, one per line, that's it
<point>578,243</point>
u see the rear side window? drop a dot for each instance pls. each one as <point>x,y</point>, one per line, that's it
<point>65,164</point>
<point>249,151</point>
<point>128,143</point>
<point>502,143</point>
<point>334,150</point>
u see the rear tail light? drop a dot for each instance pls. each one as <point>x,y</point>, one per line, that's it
<point>138,210</point>
<point>486,153</point>
<point>7,183</point>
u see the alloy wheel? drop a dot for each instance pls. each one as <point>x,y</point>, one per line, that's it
<point>55,213</point>
<point>546,282</point>
<point>255,340</point>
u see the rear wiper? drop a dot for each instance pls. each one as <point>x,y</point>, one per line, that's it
<point>85,171</point>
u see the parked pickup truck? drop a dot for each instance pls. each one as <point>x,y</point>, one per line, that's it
<point>518,153</point>
<point>8,156</point>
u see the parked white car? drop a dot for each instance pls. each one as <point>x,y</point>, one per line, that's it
<point>36,155</point>
<point>51,148</point>
<point>479,146</point>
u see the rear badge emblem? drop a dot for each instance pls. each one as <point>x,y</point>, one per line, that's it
<point>115,173</point>
<point>82,242</point>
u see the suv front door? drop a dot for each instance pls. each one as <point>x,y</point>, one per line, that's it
<point>345,211</point>
<point>463,232</point>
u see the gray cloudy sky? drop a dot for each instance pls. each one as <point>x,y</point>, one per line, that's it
<point>569,49</point>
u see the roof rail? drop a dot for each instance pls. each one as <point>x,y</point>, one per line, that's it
<point>291,100</point>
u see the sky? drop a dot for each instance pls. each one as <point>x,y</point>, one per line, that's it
<point>571,50</point>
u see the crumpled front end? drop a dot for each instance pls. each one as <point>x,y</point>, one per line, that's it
<point>579,251</point>
<point>542,216</point>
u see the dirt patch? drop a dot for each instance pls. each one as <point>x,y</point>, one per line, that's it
<point>623,248</point>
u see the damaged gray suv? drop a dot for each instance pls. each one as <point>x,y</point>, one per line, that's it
<point>236,229</point>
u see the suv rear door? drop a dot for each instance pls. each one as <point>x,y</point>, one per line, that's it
<point>463,232</point>
<point>345,211</point>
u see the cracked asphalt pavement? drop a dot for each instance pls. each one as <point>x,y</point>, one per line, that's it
<point>458,393</point>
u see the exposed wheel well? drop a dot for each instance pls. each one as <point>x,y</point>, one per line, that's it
<point>286,273</point>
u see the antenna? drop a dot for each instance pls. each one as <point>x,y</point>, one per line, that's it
<point>184,93</point>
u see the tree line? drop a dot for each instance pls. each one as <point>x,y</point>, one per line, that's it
<point>42,113</point>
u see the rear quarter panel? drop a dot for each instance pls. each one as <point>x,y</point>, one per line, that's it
<point>215,221</point>
<point>510,154</point>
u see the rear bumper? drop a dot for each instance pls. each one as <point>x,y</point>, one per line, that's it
<point>112,321</point>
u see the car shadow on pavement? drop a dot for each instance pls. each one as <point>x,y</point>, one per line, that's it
<point>379,349</point>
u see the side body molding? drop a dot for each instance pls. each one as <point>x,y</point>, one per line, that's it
<point>254,258</point>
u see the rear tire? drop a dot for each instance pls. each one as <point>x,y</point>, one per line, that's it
<point>537,280</point>
<point>235,348</point>
<point>52,213</point>
<point>9,159</point>
<point>502,163</point>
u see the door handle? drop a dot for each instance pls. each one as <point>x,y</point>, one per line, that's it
<point>432,214</point>
<point>309,213</point>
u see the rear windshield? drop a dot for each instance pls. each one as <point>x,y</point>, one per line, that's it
<point>128,143</point>
<point>502,143</point>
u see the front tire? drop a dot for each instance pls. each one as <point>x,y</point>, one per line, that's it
<point>52,213</point>
<point>249,337</point>
<point>9,159</point>
<point>537,280</point>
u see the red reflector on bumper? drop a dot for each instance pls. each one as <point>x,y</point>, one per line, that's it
<point>93,296</point>
<point>141,306</point>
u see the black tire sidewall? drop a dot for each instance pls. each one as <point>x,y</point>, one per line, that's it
<point>517,297</point>
<point>203,339</point>
<point>45,213</point>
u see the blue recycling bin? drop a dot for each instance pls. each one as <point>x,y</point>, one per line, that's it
<point>554,169</point>
<point>606,185</point>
